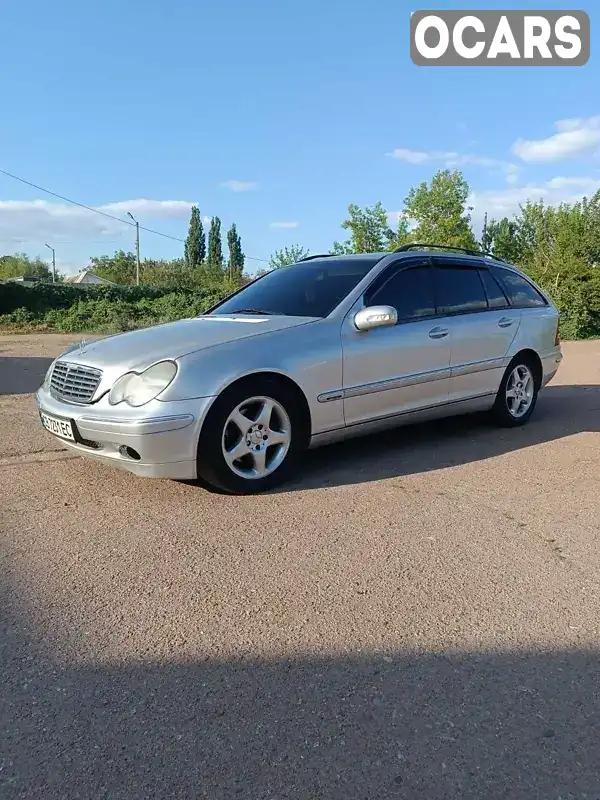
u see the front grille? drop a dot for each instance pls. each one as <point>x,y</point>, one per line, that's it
<point>74,383</point>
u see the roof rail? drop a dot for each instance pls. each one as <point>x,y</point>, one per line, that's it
<point>413,245</point>
<point>316,255</point>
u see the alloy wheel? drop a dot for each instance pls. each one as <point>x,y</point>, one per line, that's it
<point>519,391</point>
<point>256,437</point>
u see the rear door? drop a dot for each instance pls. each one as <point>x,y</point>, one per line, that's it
<point>539,321</point>
<point>483,325</point>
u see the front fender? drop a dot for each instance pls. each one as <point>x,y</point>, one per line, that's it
<point>311,358</point>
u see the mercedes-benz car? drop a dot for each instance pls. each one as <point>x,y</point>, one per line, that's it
<point>330,347</point>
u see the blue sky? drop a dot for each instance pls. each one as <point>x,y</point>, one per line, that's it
<point>303,107</point>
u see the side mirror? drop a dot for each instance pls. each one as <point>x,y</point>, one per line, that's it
<point>375,317</point>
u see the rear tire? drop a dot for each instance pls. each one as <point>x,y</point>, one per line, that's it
<point>518,393</point>
<point>251,438</point>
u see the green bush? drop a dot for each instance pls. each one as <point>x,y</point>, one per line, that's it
<point>46,296</point>
<point>103,315</point>
<point>20,317</point>
<point>578,302</point>
<point>103,309</point>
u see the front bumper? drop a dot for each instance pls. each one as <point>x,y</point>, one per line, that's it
<point>159,440</point>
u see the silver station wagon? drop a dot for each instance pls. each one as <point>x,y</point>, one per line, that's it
<point>327,348</point>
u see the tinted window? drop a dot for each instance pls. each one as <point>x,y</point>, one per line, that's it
<point>519,291</point>
<point>308,289</point>
<point>459,291</point>
<point>495,295</point>
<point>409,291</point>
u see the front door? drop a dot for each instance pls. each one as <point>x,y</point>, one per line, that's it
<point>390,371</point>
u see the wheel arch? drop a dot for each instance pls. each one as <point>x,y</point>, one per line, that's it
<point>277,378</point>
<point>535,361</point>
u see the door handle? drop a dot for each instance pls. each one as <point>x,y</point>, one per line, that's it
<point>505,322</point>
<point>438,333</point>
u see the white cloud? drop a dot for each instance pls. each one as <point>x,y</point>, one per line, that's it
<point>44,221</point>
<point>585,184</point>
<point>284,224</point>
<point>394,218</point>
<point>240,186</point>
<point>452,160</point>
<point>410,156</point>
<point>158,209</point>
<point>505,202</point>
<point>574,138</point>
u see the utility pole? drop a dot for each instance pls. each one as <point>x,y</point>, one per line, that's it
<point>137,247</point>
<point>53,263</point>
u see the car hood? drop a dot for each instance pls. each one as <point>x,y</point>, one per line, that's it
<point>139,349</point>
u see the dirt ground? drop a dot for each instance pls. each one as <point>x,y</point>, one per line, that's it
<point>416,615</point>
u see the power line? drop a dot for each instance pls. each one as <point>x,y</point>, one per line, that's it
<point>103,213</point>
<point>59,241</point>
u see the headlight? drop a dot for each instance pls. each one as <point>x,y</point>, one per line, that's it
<point>48,373</point>
<point>136,389</point>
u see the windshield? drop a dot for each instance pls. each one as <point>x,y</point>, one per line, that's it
<point>307,289</point>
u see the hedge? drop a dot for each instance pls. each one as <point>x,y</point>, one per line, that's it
<point>48,296</point>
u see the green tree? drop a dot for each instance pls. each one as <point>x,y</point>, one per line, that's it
<point>235,263</point>
<point>119,268</point>
<point>486,236</point>
<point>173,273</point>
<point>502,239</point>
<point>21,265</point>
<point>402,235</point>
<point>195,243</point>
<point>287,256</point>
<point>559,248</point>
<point>369,231</point>
<point>215,246</point>
<point>535,239</point>
<point>440,210</point>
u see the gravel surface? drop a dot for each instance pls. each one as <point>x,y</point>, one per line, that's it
<point>417,615</point>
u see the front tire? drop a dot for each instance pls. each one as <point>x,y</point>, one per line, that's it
<point>517,395</point>
<point>251,438</point>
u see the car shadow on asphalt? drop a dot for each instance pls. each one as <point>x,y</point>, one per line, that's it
<point>516,725</point>
<point>22,375</point>
<point>562,411</point>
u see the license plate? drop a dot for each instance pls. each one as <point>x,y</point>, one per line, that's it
<point>59,427</point>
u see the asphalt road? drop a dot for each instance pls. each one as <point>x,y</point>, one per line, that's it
<point>416,616</point>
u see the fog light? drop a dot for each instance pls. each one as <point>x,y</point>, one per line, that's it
<point>129,452</point>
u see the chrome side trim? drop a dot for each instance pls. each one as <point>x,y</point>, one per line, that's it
<point>329,397</point>
<point>477,366</point>
<point>413,412</point>
<point>133,427</point>
<point>397,383</point>
<point>414,380</point>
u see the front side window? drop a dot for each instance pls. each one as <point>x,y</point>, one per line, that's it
<point>518,290</point>
<point>307,289</point>
<point>459,290</point>
<point>409,291</point>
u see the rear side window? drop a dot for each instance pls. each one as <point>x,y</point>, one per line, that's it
<point>495,295</point>
<point>409,291</point>
<point>459,290</point>
<point>518,290</point>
